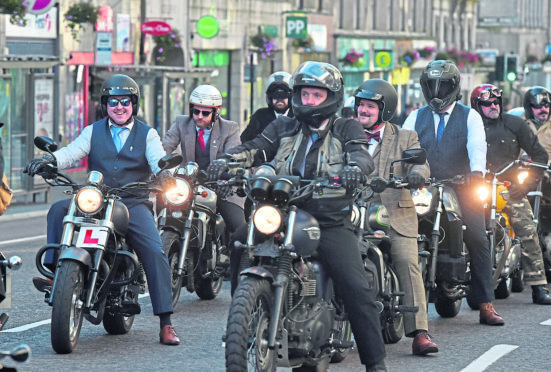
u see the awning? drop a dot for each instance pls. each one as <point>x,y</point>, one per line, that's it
<point>24,61</point>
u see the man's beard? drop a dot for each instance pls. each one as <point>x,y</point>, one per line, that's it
<point>281,110</point>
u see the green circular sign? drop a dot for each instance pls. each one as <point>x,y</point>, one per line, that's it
<point>207,27</point>
<point>383,59</point>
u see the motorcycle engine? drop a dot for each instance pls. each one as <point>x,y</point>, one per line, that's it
<point>309,320</point>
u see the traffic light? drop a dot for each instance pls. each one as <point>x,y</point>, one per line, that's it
<point>500,68</point>
<point>511,67</point>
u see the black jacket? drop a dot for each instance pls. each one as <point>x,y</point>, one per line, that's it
<point>259,121</point>
<point>506,136</point>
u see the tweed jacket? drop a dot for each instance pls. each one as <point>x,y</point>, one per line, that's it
<point>398,203</point>
<point>224,136</point>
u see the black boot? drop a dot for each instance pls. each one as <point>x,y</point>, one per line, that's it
<point>540,295</point>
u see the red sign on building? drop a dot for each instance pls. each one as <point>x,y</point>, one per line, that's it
<point>156,28</point>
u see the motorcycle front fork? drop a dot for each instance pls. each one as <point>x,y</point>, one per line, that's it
<point>185,243</point>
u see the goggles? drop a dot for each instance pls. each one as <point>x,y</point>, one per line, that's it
<point>206,113</point>
<point>280,94</point>
<point>540,100</point>
<point>488,93</point>
<point>113,102</point>
<point>372,96</point>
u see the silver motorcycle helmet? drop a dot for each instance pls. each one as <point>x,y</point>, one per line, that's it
<point>208,96</point>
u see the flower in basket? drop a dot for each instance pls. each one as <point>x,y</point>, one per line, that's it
<point>265,44</point>
<point>353,58</point>
<point>427,52</point>
<point>408,58</point>
<point>16,9</point>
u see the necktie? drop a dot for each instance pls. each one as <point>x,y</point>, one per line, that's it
<point>441,126</point>
<point>201,140</point>
<point>315,137</point>
<point>376,136</point>
<point>116,137</point>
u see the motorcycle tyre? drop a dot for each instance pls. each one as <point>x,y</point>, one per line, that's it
<point>250,293</point>
<point>392,327</point>
<point>504,289</point>
<point>172,246</point>
<point>117,324</point>
<point>517,281</point>
<point>445,307</point>
<point>69,288</point>
<point>208,288</point>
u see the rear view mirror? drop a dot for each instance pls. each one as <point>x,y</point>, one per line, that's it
<point>45,144</point>
<point>170,161</point>
<point>414,156</point>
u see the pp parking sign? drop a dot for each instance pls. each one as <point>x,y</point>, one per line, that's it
<point>296,27</point>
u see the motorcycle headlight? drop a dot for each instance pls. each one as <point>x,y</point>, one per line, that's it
<point>422,199</point>
<point>483,193</point>
<point>522,176</point>
<point>89,200</point>
<point>267,219</point>
<point>179,194</point>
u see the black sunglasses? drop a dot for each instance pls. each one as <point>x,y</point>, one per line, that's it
<point>542,104</point>
<point>488,103</point>
<point>205,113</point>
<point>113,102</point>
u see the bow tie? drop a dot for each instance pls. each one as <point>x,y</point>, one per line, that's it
<point>376,136</point>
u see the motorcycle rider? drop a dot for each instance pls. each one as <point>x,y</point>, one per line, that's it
<point>453,135</point>
<point>124,150</point>
<point>537,101</point>
<point>203,136</point>
<point>376,102</point>
<point>506,136</point>
<point>323,144</point>
<point>278,94</point>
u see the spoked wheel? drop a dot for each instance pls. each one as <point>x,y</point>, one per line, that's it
<point>248,328</point>
<point>172,246</point>
<point>67,307</point>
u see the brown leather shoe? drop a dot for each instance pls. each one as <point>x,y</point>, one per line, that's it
<point>423,345</point>
<point>168,336</point>
<point>489,316</point>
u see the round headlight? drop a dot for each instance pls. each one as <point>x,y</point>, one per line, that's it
<point>423,200</point>
<point>267,219</point>
<point>483,193</point>
<point>180,193</point>
<point>89,200</point>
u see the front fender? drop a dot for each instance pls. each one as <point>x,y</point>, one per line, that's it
<point>76,254</point>
<point>259,272</point>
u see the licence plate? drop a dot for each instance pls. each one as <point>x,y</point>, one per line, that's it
<point>89,237</point>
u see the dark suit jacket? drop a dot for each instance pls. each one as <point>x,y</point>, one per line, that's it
<point>259,121</point>
<point>398,202</point>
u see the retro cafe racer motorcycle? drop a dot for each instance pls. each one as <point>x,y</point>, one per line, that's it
<point>284,311</point>
<point>372,224</point>
<point>194,236</point>
<point>98,276</point>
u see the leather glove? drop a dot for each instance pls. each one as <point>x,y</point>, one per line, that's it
<point>39,164</point>
<point>216,169</point>
<point>474,179</point>
<point>166,180</point>
<point>518,191</point>
<point>415,180</point>
<point>223,190</point>
<point>351,177</point>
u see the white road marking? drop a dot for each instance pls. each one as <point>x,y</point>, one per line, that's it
<point>22,240</point>
<point>489,357</point>
<point>547,322</point>
<point>26,327</point>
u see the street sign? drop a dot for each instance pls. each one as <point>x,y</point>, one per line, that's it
<point>382,59</point>
<point>39,6</point>
<point>208,27</point>
<point>296,27</point>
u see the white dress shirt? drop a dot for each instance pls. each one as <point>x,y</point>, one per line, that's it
<point>80,148</point>
<point>476,136</point>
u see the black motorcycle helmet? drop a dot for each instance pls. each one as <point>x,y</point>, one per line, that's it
<point>380,91</point>
<point>440,82</point>
<point>278,87</point>
<point>534,97</point>
<point>120,85</point>
<point>317,75</point>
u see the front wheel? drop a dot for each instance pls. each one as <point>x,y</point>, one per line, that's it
<point>445,307</point>
<point>504,288</point>
<point>248,328</point>
<point>172,246</point>
<point>67,307</point>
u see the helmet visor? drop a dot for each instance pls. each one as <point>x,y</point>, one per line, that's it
<point>372,96</point>
<point>316,74</point>
<point>280,94</point>
<point>489,93</point>
<point>540,99</point>
<point>440,88</point>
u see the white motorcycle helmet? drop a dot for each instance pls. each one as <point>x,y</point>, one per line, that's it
<point>206,95</point>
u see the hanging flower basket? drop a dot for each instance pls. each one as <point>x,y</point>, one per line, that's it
<point>353,58</point>
<point>265,44</point>
<point>427,52</point>
<point>303,43</point>
<point>16,9</point>
<point>408,58</point>
<point>79,14</point>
